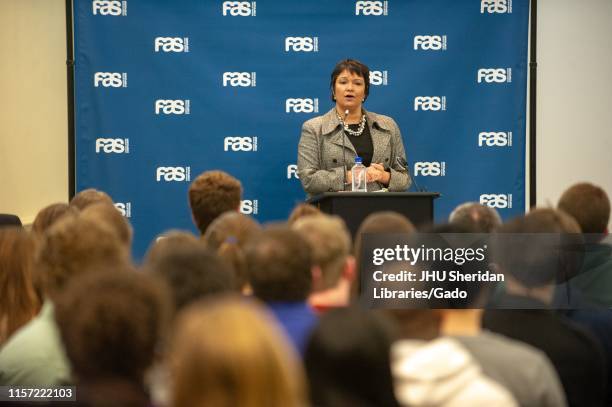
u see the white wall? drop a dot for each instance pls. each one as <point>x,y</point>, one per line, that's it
<point>574,123</point>
<point>574,116</point>
<point>33,113</point>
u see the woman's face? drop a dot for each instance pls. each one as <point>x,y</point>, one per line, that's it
<point>349,90</point>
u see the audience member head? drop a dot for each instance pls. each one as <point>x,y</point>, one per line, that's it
<point>302,210</point>
<point>107,213</point>
<point>192,272</point>
<point>330,244</point>
<point>211,194</point>
<point>378,223</point>
<point>230,352</point>
<point>89,196</point>
<point>279,265</point>
<point>228,235</point>
<point>477,291</point>
<point>76,245</point>
<point>111,323</point>
<point>168,242</point>
<point>421,324</point>
<point>18,299</point>
<point>47,216</point>
<point>233,226</point>
<point>530,260</point>
<point>475,217</point>
<point>347,359</point>
<point>9,220</point>
<point>382,222</point>
<point>589,205</point>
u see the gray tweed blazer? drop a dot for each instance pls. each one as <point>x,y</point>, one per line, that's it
<point>320,153</point>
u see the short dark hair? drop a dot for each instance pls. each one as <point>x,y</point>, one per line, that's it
<point>192,272</point>
<point>530,263</point>
<point>111,323</point>
<point>279,265</point>
<point>169,241</point>
<point>589,205</point>
<point>211,194</point>
<point>347,359</point>
<point>355,67</point>
<point>377,222</point>
<point>477,292</point>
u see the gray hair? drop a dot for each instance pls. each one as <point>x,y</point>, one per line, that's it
<point>475,216</point>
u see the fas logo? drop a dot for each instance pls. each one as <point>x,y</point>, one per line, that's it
<point>109,7</point>
<point>112,145</point>
<point>171,44</point>
<point>173,174</point>
<point>495,139</point>
<point>110,79</point>
<point>430,42</point>
<point>498,201</point>
<point>249,206</point>
<point>430,169</point>
<point>240,79</point>
<point>371,8</point>
<point>171,106</point>
<point>240,144</point>
<point>240,8</point>
<point>302,44</point>
<point>495,6</point>
<point>125,208</point>
<point>433,103</point>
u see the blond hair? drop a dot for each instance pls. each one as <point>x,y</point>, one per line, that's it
<point>112,217</point>
<point>330,243</point>
<point>301,211</point>
<point>228,352</point>
<point>228,235</point>
<point>88,197</point>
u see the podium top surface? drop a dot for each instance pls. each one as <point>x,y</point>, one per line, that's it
<point>373,195</point>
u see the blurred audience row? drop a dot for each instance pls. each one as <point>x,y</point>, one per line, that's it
<point>252,315</point>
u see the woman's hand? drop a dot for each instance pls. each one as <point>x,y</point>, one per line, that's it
<point>376,173</point>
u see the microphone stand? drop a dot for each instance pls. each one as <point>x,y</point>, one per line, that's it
<point>346,113</point>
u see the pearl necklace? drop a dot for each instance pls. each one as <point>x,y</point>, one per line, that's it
<point>350,131</point>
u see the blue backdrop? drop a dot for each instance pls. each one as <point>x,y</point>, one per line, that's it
<point>166,90</point>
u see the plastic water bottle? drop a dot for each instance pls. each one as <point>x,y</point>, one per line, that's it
<point>358,174</point>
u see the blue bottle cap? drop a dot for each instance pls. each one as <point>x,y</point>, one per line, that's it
<point>358,160</point>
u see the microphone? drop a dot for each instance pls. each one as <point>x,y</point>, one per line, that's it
<point>401,161</point>
<point>346,113</point>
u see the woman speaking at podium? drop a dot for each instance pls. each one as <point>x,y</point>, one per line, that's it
<point>329,143</point>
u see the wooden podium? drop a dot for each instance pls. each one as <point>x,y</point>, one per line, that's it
<point>353,207</point>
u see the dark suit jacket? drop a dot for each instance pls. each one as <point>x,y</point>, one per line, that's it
<point>574,352</point>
